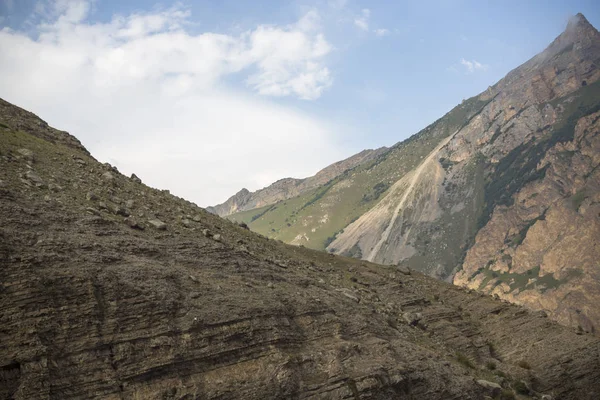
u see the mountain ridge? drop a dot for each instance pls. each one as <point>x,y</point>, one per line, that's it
<point>430,224</point>
<point>112,289</point>
<point>286,188</point>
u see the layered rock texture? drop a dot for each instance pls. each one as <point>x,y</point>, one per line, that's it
<point>500,194</point>
<point>111,289</point>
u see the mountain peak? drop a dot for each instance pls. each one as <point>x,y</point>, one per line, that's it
<point>578,29</point>
<point>578,32</point>
<point>578,21</point>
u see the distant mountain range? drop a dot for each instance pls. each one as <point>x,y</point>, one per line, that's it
<point>501,194</point>
<point>287,188</point>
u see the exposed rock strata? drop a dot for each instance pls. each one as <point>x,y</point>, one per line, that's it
<point>91,308</point>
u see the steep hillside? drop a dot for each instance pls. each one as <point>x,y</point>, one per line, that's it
<point>111,289</point>
<point>287,188</point>
<point>431,198</point>
<point>314,218</point>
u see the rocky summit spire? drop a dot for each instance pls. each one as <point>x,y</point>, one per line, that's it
<point>578,22</point>
<point>579,33</point>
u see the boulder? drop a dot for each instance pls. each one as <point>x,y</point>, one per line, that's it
<point>411,319</point>
<point>347,293</point>
<point>135,178</point>
<point>27,154</point>
<point>91,196</point>
<point>403,269</point>
<point>34,179</point>
<point>108,176</point>
<point>122,211</point>
<point>493,387</point>
<point>55,188</point>
<point>133,224</point>
<point>158,224</point>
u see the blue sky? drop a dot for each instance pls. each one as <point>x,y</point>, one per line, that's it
<point>274,89</point>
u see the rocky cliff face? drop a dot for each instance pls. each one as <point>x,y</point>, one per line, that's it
<point>111,289</point>
<point>433,211</point>
<point>543,250</point>
<point>287,188</point>
<point>452,193</point>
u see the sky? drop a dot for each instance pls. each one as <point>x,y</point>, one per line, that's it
<point>206,97</point>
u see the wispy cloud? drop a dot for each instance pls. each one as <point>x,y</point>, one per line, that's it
<point>381,32</point>
<point>362,22</point>
<point>150,95</point>
<point>473,65</point>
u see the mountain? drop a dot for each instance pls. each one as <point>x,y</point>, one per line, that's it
<point>500,194</point>
<point>112,289</point>
<point>287,188</point>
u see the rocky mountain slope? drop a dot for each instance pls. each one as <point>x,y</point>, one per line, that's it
<point>112,289</point>
<point>287,188</point>
<point>454,192</point>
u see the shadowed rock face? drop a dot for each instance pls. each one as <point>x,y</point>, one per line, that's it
<point>97,302</point>
<point>453,197</point>
<point>542,251</point>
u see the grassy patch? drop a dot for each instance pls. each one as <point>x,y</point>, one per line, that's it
<point>464,360</point>
<point>578,198</point>
<point>354,252</point>
<point>260,214</point>
<point>526,281</point>
<point>375,192</point>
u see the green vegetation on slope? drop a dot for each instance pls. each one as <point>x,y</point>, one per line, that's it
<point>316,217</point>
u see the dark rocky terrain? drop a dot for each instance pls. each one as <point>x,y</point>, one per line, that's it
<point>112,289</point>
<point>502,194</point>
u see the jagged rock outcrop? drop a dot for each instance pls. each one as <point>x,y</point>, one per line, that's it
<point>200,308</point>
<point>287,188</point>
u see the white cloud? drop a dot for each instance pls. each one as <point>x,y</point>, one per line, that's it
<point>362,22</point>
<point>473,65</point>
<point>148,96</point>
<point>381,32</point>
